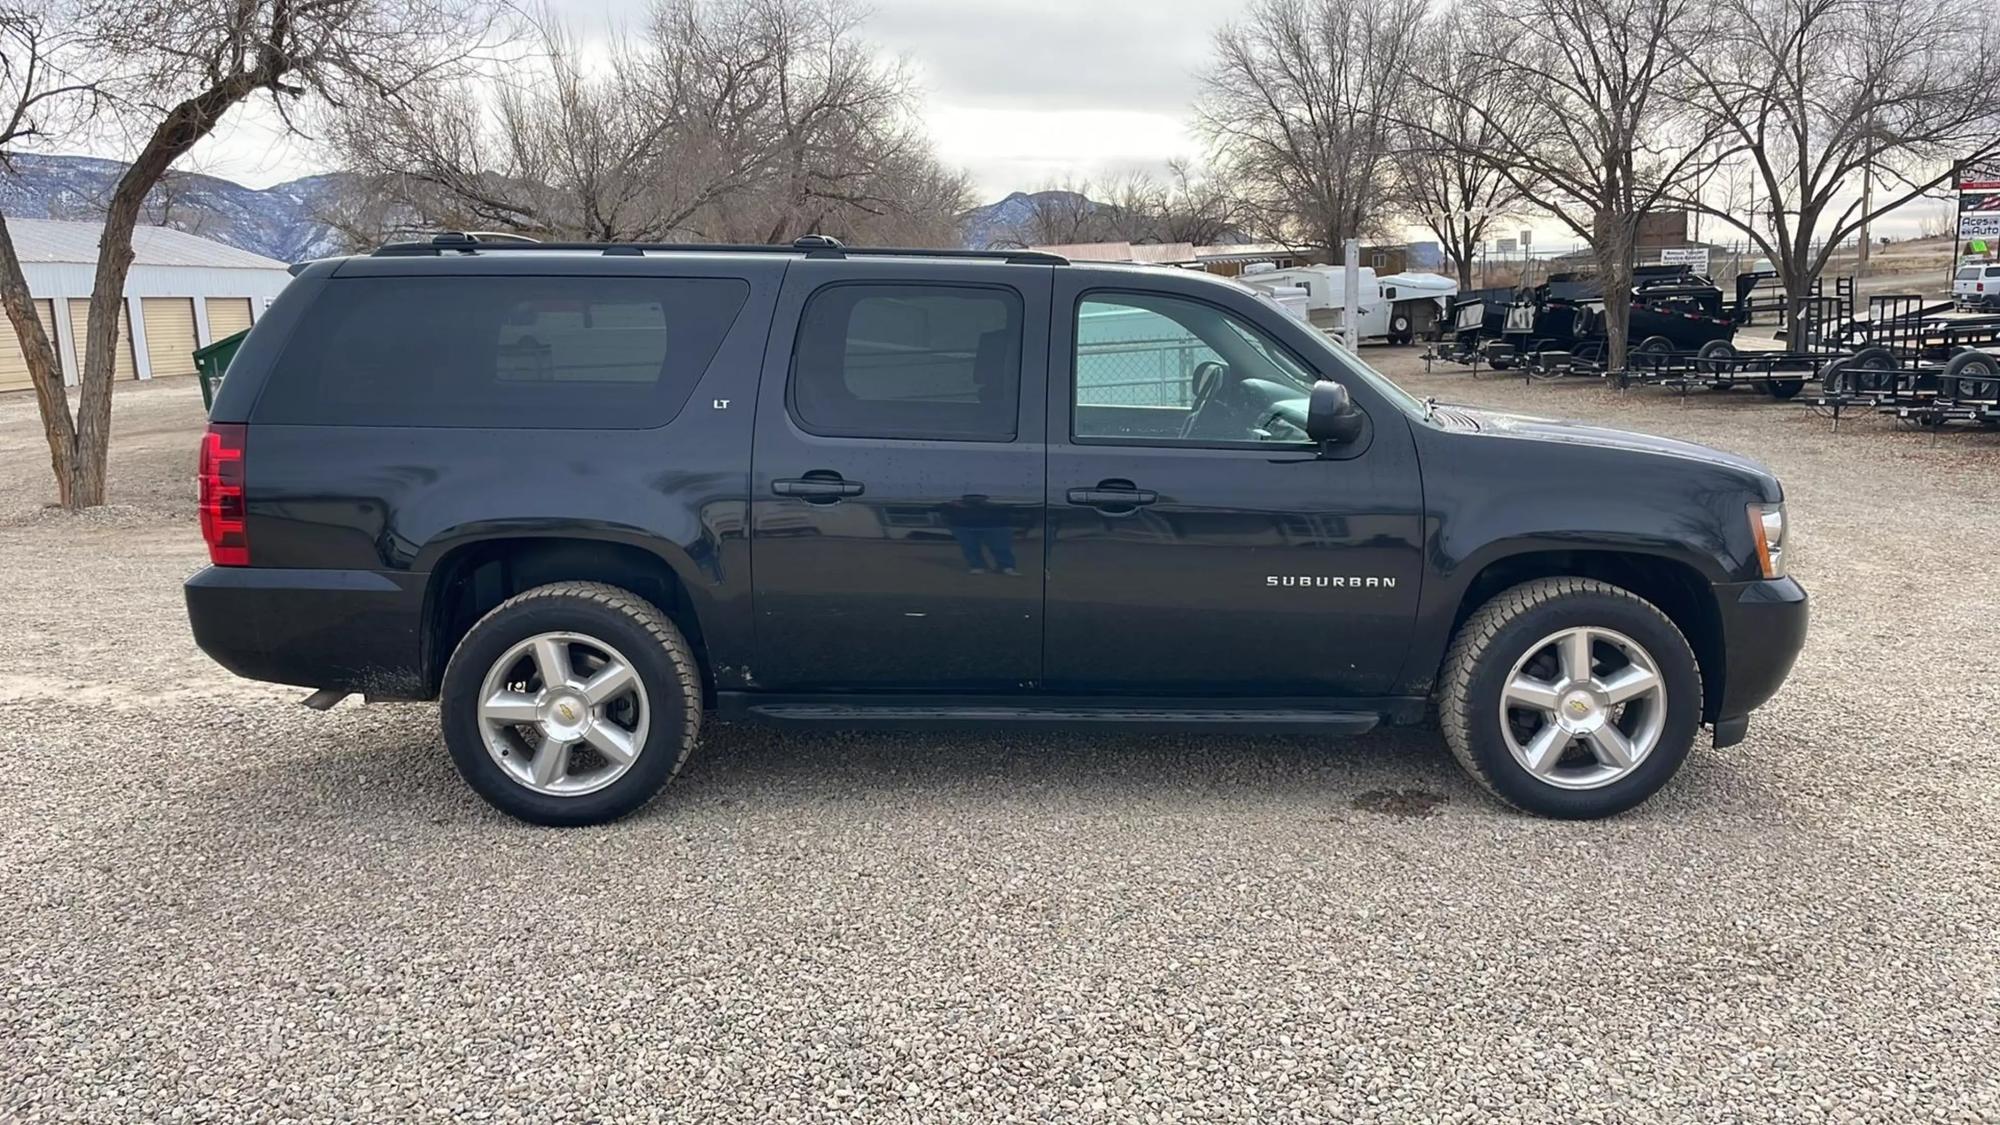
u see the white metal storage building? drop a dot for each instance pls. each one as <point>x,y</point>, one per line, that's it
<point>183,291</point>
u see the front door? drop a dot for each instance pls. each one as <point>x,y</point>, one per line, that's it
<point>897,488</point>
<point>1198,545</point>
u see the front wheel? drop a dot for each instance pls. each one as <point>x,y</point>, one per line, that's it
<point>1570,698</point>
<point>571,703</point>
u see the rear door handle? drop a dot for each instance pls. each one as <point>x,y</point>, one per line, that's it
<point>1109,494</point>
<point>816,489</point>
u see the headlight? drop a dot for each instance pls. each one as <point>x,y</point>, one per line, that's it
<point>1767,527</point>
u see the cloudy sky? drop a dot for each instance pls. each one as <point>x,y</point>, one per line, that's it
<point>1020,93</point>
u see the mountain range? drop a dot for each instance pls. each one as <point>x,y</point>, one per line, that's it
<point>284,221</point>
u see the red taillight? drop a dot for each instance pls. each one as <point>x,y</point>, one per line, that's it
<point>222,494</point>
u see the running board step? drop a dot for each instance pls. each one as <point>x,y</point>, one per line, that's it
<point>892,716</point>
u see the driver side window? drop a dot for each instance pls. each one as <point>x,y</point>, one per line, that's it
<point>1163,369</point>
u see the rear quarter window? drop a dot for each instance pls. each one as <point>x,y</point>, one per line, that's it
<point>500,352</point>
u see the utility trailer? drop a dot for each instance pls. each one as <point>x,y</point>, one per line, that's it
<point>1781,371</point>
<point>1558,327</point>
<point>1918,360</point>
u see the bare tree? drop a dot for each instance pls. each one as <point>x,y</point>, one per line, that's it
<point>1441,181</point>
<point>1296,110</point>
<point>1131,208</point>
<point>1815,95</point>
<point>45,99</point>
<point>1579,118</point>
<point>726,120</point>
<point>1195,207</point>
<point>169,71</point>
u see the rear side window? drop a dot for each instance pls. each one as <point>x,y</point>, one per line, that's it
<point>1993,271</point>
<point>501,352</point>
<point>909,361</point>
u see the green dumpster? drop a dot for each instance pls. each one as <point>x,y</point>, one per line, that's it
<point>210,363</point>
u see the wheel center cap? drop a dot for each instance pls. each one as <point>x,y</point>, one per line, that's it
<point>565,714</point>
<point>1580,711</point>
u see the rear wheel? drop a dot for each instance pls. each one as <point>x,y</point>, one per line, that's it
<point>1714,357</point>
<point>1570,698</point>
<point>571,703</point>
<point>1870,369</point>
<point>1974,364</point>
<point>1783,389</point>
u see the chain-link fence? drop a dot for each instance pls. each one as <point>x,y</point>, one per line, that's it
<point>1139,372</point>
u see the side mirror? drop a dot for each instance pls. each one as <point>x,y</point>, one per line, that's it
<point>1331,415</point>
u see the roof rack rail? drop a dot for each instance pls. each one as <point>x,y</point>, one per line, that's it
<point>811,245</point>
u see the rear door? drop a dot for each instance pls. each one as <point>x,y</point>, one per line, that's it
<point>897,484</point>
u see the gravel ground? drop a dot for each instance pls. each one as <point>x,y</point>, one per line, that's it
<point>226,907</point>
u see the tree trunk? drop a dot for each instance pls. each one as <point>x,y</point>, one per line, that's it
<point>44,370</point>
<point>82,486</point>
<point>1613,243</point>
<point>1465,245</point>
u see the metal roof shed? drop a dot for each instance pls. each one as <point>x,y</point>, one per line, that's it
<point>183,292</point>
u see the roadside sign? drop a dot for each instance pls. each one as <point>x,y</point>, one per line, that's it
<point>1978,200</point>
<point>1695,256</point>
<point>1979,214</point>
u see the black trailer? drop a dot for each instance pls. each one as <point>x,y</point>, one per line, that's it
<point>1918,360</point>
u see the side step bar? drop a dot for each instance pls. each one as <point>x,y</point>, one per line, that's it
<point>1126,715</point>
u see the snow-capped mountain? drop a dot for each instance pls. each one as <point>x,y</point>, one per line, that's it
<point>288,221</point>
<point>285,221</point>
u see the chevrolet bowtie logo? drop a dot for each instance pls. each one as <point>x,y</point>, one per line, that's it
<point>567,712</point>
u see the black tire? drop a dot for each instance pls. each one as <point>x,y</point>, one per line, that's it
<point>1973,365</point>
<point>639,631</point>
<point>1399,328</point>
<point>1714,355</point>
<point>1507,629</point>
<point>1784,389</point>
<point>1869,370</point>
<point>1833,377</point>
<point>1656,345</point>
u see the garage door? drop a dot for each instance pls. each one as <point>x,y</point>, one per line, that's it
<point>227,316</point>
<point>13,365</point>
<point>169,334</point>
<point>79,322</point>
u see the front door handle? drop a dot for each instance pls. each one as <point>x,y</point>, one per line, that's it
<point>1113,494</point>
<point>819,487</point>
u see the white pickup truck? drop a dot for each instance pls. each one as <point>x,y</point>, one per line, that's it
<point>1395,308</point>
<point>1976,285</point>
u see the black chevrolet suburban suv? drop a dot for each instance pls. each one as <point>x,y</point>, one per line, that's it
<point>590,496</point>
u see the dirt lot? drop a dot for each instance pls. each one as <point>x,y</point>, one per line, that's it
<point>225,906</point>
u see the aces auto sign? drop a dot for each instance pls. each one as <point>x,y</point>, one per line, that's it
<point>1979,201</point>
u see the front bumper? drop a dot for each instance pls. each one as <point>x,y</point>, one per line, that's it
<point>1763,629</point>
<point>355,630</point>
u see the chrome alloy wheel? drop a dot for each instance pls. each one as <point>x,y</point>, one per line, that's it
<point>1583,708</point>
<point>563,713</point>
